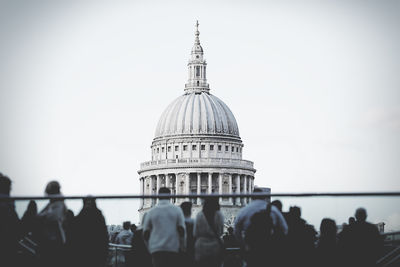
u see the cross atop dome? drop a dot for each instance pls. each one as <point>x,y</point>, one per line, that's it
<point>197,81</point>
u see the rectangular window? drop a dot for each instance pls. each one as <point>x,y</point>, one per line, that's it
<point>233,149</point>
<point>162,149</point>
<point>219,147</point>
<point>197,71</point>
<point>158,150</point>
<point>226,148</point>
<point>193,147</point>
<point>184,147</point>
<point>169,148</point>
<point>237,149</point>
<point>176,148</point>
<point>211,147</point>
<point>203,147</point>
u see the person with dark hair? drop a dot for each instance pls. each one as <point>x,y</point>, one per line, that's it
<point>327,250</point>
<point>9,225</point>
<point>164,229</point>
<point>89,237</point>
<point>278,204</point>
<point>300,240</point>
<point>189,223</point>
<point>126,235</point>
<point>133,228</point>
<point>51,233</point>
<point>28,220</point>
<point>362,243</point>
<point>208,229</point>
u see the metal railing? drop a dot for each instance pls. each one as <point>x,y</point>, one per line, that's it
<point>266,195</point>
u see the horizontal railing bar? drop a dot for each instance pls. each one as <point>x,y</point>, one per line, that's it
<point>350,194</point>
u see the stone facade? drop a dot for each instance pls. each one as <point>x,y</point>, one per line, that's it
<point>197,148</point>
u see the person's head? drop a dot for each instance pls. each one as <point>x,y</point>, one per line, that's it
<point>295,212</point>
<point>5,184</point>
<point>258,191</point>
<point>187,208</point>
<point>361,214</point>
<point>133,227</point>
<point>164,191</point>
<point>89,203</point>
<point>53,188</point>
<point>277,203</point>
<point>211,204</point>
<point>352,220</point>
<point>230,230</point>
<point>126,225</point>
<point>328,228</point>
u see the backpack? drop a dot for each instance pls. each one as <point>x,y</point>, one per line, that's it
<point>259,234</point>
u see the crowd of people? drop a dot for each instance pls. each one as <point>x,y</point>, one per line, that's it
<point>262,235</point>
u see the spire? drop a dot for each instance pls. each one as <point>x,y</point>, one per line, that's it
<point>197,67</point>
<point>197,33</point>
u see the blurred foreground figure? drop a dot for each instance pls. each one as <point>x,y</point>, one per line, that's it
<point>361,244</point>
<point>327,249</point>
<point>125,236</point>
<point>189,224</point>
<point>208,229</point>
<point>261,229</point>
<point>89,237</point>
<point>9,225</point>
<point>140,254</point>
<point>51,234</point>
<point>164,229</point>
<point>301,239</point>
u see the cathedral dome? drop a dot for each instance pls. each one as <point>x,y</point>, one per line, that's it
<point>197,113</point>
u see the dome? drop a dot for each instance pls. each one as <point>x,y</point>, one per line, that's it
<point>197,113</point>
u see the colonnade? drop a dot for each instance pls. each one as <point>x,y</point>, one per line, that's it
<point>198,183</point>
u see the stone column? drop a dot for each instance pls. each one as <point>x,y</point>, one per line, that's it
<point>176,187</point>
<point>158,186</point>
<point>220,186</point>
<point>187,183</point>
<point>230,189</point>
<point>198,187</point>
<point>238,189</point>
<point>152,201</point>
<point>245,188</point>
<point>209,182</point>
<point>167,181</point>
<point>141,191</point>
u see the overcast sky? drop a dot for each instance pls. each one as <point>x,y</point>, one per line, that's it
<point>314,87</point>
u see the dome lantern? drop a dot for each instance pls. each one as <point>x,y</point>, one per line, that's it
<point>197,81</point>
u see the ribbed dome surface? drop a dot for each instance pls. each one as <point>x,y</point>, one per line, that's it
<point>197,113</point>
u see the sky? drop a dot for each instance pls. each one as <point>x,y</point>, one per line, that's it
<point>314,87</point>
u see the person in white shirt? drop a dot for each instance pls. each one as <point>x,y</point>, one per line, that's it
<point>164,230</point>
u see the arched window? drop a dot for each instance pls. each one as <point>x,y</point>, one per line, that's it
<point>198,83</point>
<point>197,71</point>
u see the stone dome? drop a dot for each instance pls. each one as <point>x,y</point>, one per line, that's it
<point>197,113</point>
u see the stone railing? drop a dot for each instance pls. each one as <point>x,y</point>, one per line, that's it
<point>193,162</point>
